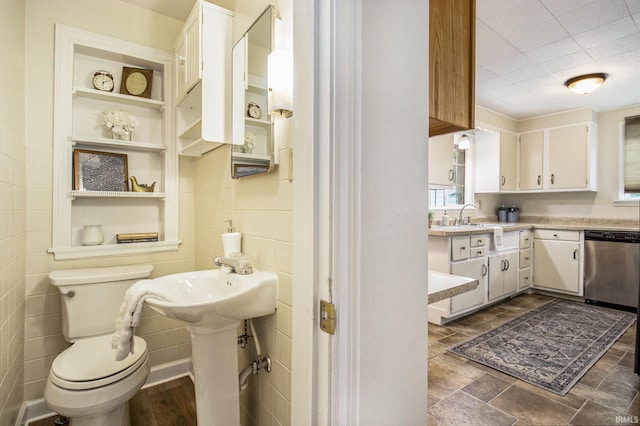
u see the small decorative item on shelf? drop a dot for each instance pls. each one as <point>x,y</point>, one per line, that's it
<point>249,140</point>
<point>140,187</point>
<point>254,111</point>
<point>121,124</point>
<point>136,82</point>
<point>430,218</point>
<point>92,235</point>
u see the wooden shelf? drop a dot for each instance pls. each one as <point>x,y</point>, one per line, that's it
<point>115,194</point>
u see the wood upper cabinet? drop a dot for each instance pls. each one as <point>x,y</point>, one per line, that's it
<point>451,65</point>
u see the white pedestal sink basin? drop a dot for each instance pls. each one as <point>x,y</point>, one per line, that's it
<point>212,303</point>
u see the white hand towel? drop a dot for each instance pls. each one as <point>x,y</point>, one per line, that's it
<point>130,314</point>
<point>497,236</point>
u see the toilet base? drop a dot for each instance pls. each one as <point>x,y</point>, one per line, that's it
<point>119,416</point>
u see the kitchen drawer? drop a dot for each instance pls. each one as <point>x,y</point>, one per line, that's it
<point>525,239</point>
<point>525,258</point>
<point>555,234</point>
<point>478,251</point>
<point>524,278</point>
<point>479,240</point>
<point>460,247</point>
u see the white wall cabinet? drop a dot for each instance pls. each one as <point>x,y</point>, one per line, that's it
<point>571,158</point>
<point>558,261</point>
<point>441,168</point>
<point>495,161</point>
<point>503,274</point>
<point>151,154</point>
<point>203,80</point>
<point>531,157</point>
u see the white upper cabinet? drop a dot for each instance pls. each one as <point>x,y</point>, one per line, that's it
<point>531,160</point>
<point>441,169</point>
<point>571,158</point>
<point>495,161</point>
<point>203,80</point>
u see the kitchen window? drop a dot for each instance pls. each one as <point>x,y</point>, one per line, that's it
<point>629,185</point>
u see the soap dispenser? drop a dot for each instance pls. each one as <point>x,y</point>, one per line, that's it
<point>231,240</point>
<point>445,219</point>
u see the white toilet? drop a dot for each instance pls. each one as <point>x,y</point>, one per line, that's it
<point>85,382</point>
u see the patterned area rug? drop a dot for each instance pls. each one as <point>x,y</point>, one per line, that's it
<point>552,346</point>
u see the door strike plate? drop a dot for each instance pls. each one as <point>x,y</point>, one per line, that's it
<point>327,317</point>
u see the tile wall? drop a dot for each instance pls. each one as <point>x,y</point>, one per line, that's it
<point>12,212</point>
<point>261,209</point>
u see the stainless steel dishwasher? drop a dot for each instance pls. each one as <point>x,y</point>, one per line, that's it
<point>612,267</point>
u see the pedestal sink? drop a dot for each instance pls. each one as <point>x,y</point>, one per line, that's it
<point>212,303</point>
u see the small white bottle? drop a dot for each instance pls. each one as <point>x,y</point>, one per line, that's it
<point>445,219</point>
<point>231,240</point>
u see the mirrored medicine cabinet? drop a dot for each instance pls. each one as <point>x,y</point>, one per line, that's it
<point>252,151</point>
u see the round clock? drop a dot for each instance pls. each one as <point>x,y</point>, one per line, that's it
<point>103,80</point>
<point>136,83</point>
<point>253,110</point>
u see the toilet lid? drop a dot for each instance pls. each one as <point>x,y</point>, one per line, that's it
<point>90,363</point>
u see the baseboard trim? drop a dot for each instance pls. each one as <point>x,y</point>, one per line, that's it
<point>37,409</point>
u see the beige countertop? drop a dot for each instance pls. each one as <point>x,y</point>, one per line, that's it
<point>442,286</point>
<point>487,227</point>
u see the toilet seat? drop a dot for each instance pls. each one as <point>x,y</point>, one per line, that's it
<point>91,363</point>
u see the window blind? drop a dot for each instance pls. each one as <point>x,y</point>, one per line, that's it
<point>632,154</point>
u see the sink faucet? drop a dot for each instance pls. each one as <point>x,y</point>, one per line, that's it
<point>460,220</point>
<point>240,266</point>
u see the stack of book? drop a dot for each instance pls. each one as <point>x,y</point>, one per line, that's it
<point>140,237</point>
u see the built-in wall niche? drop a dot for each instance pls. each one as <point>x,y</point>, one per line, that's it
<point>150,152</point>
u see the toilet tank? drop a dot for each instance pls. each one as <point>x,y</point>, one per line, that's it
<point>92,297</point>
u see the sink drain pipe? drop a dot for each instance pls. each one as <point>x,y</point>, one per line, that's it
<point>259,363</point>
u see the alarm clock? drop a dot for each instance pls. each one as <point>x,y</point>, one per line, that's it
<point>103,80</point>
<point>254,111</point>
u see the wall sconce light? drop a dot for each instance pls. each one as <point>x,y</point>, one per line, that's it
<point>280,99</point>
<point>585,84</point>
<point>464,142</point>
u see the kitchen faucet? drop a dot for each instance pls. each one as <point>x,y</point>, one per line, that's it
<point>238,265</point>
<point>460,220</point>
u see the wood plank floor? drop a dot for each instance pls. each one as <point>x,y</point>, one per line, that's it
<point>168,404</point>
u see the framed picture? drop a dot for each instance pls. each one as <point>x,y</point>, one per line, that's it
<point>136,82</point>
<point>241,170</point>
<point>99,171</point>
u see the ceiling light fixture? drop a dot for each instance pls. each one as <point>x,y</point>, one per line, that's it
<point>585,84</point>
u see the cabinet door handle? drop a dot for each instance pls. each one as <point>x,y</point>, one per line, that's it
<point>485,270</point>
<point>507,263</point>
<point>182,60</point>
<point>462,248</point>
<point>504,180</point>
<point>553,178</point>
<point>502,266</point>
<point>538,179</point>
<point>451,175</point>
<point>575,254</point>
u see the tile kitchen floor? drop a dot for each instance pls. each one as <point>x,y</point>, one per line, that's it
<point>463,392</point>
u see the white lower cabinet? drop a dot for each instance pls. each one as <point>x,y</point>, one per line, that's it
<point>474,268</point>
<point>503,274</point>
<point>558,261</point>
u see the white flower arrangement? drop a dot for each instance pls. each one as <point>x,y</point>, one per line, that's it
<point>120,122</point>
<point>249,140</point>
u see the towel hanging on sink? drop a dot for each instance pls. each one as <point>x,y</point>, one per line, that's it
<point>497,236</point>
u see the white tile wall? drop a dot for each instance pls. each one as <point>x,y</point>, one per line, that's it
<point>12,213</point>
<point>261,209</point>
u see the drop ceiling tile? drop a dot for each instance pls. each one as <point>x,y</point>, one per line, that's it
<point>564,6</point>
<point>483,74</point>
<point>633,5</point>
<point>545,33</point>
<point>526,74</point>
<point>593,15</point>
<point>615,47</point>
<point>554,50</point>
<point>490,47</point>
<point>511,64</point>
<point>568,61</point>
<point>615,30</point>
<point>491,84</point>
